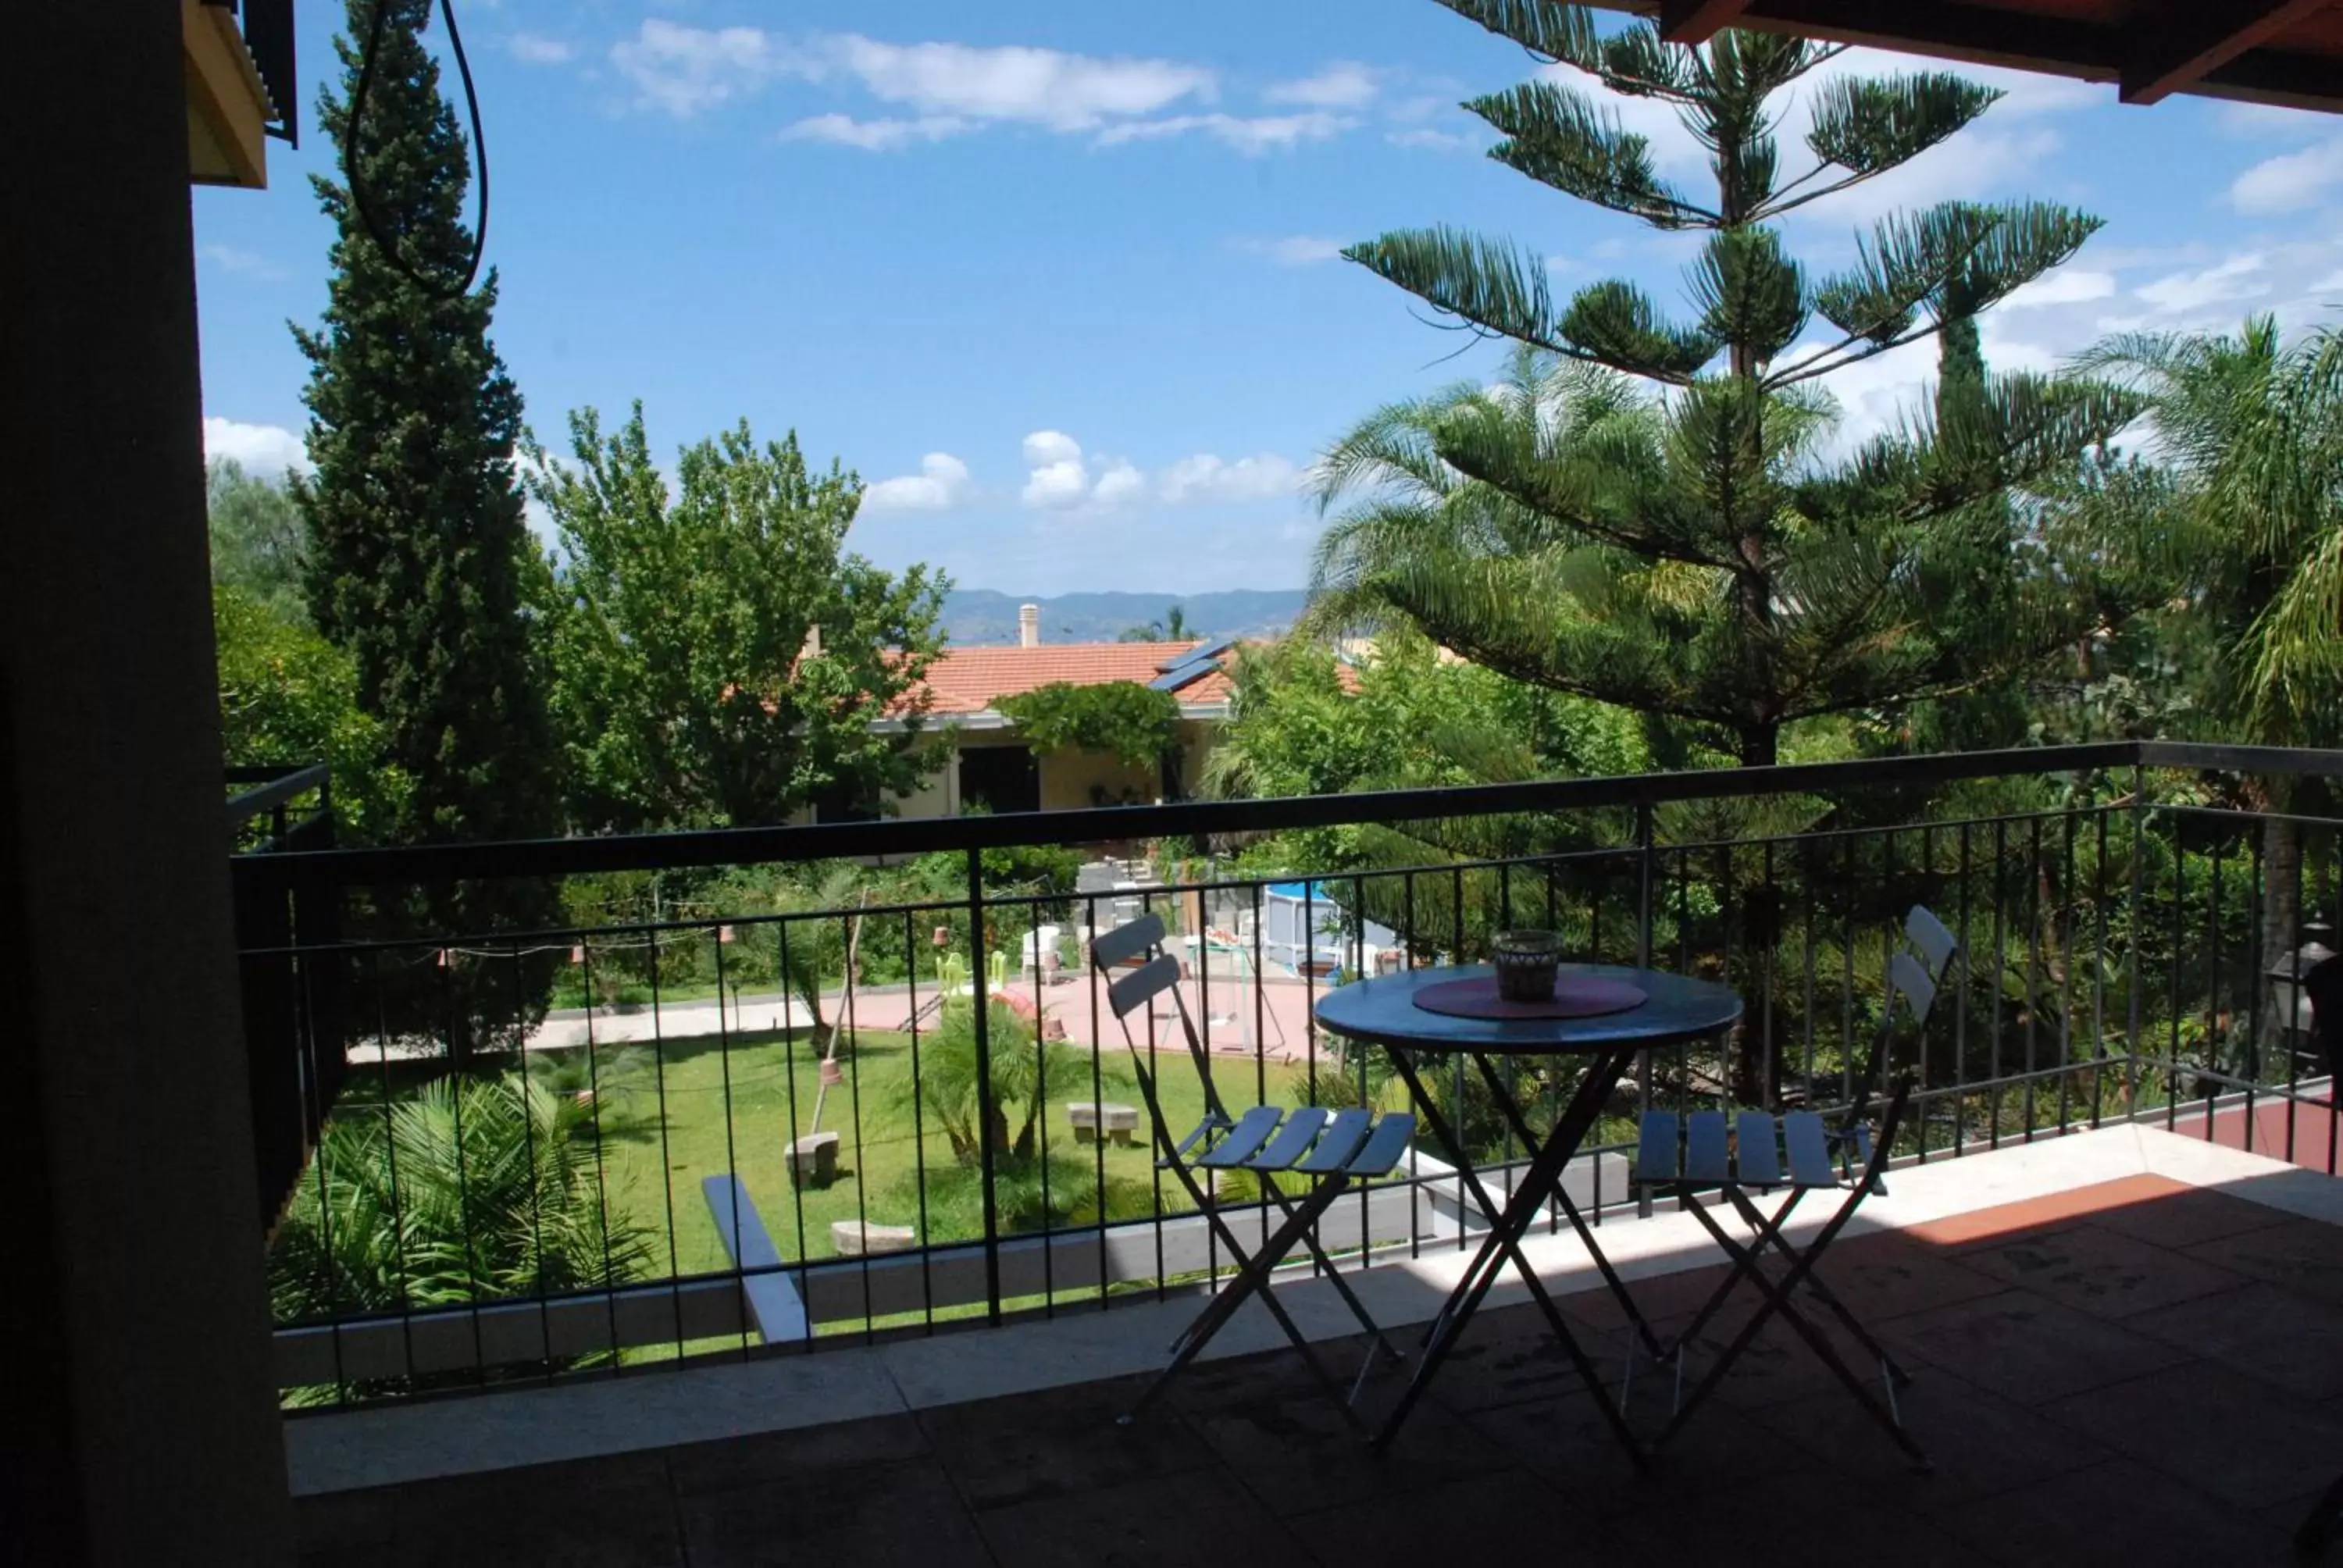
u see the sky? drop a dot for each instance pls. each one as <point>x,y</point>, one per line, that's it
<point>1059,281</point>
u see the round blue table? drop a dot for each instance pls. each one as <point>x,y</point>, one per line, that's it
<point>1383,1011</point>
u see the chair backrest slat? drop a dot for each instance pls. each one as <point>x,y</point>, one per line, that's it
<point>1933,941</point>
<point>1126,942</point>
<point>1149,981</point>
<point>1908,980</point>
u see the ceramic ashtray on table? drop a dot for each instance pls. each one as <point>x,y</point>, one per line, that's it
<point>1526,962</point>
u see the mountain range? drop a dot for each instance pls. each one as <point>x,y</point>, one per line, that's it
<point>978,616</point>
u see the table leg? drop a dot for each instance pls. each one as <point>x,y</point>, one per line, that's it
<point>1618,1287</point>
<point>1539,1182</point>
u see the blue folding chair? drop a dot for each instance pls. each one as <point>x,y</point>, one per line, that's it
<point>1332,1151</point>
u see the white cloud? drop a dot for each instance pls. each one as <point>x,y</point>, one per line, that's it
<point>248,263</point>
<point>2270,120</point>
<point>940,484</point>
<point>684,70</point>
<point>875,136</point>
<point>1061,478</point>
<point>269,449</point>
<point>1036,87</point>
<point>1248,135</point>
<point>1207,478</point>
<point>2290,181</point>
<point>1119,485</point>
<point>1344,84</point>
<point>1433,140</point>
<point>1057,475</point>
<point>2233,279</point>
<point>2067,285</point>
<point>1294,249</point>
<point>537,49</point>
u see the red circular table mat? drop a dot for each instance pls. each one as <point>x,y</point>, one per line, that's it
<point>1575,996</point>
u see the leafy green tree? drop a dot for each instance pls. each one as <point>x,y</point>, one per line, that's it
<point>473,1190</point>
<point>718,656</point>
<point>1135,724</point>
<point>1645,513</point>
<point>290,697</point>
<point>416,544</point>
<point>257,539</point>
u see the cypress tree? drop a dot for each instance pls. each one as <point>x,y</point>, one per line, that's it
<point>418,546</point>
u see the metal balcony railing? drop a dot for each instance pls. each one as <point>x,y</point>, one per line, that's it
<point>715,1123</point>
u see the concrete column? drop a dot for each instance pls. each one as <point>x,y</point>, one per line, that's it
<point>133,1350</point>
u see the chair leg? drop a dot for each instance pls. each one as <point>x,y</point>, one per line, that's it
<point>1334,1277</point>
<point>1251,1280</point>
<point>1779,1302</point>
<point>1770,1233</point>
<point>1744,1258</point>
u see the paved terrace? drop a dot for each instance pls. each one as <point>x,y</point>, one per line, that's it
<point>2128,1347</point>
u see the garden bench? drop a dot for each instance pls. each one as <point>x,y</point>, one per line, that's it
<point>859,1239</point>
<point>1120,1122</point>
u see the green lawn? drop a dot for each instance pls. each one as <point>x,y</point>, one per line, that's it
<point>652,1165</point>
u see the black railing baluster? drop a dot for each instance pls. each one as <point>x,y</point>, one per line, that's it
<point>987,1166</point>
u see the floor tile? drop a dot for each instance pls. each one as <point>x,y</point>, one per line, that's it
<point>2117,1513</point>
<point>2025,1347</point>
<point>2269,1333</point>
<point>1763,1521</point>
<point>1297,1453</point>
<point>875,1517</point>
<point>1175,1521</point>
<point>2242,1441</point>
<point>2304,1255</point>
<point>1977,1444</point>
<point>1004,1451</point>
<point>589,1514</point>
<point>1884,1277</point>
<point>2099,1272</point>
<point>2043,1213</point>
<point>2187,1218</point>
<point>799,1453</point>
<point>1499,1516</point>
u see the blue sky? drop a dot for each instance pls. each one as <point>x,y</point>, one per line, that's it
<point>1059,280</point>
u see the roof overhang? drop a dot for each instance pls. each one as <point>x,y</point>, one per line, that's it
<point>2285,51</point>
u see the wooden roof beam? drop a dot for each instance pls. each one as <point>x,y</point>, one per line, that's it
<point>2190,42</point>
<point>1697,21</point>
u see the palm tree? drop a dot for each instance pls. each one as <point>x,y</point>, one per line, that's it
<point>1643,512</point>
<point>2253,426</point>
<point>475,1190</point>
<point>1172,625</point>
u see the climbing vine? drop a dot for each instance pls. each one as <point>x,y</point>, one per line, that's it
<point>1121,718</point>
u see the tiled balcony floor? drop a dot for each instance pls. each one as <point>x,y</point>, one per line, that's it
<point>2131,1372</point>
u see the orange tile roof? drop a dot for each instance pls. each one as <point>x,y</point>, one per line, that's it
<point>971,679</point>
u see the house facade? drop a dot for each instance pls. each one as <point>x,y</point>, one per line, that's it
<point>991,767</point>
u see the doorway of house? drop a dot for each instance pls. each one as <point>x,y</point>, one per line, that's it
<point>1001,778</point>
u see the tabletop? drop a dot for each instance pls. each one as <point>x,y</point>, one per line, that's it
<point>1383,1011</point>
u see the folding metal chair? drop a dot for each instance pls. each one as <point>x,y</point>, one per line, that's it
<point>1335,1152</point>
<point>1756,1151</point>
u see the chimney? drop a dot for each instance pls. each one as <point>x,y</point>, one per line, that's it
<point>1029,626</point>
<point>812,648</point>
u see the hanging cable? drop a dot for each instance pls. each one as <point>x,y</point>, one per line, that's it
<point>439,288</point>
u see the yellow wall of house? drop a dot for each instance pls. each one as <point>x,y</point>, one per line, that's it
<point>1068,778</point>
